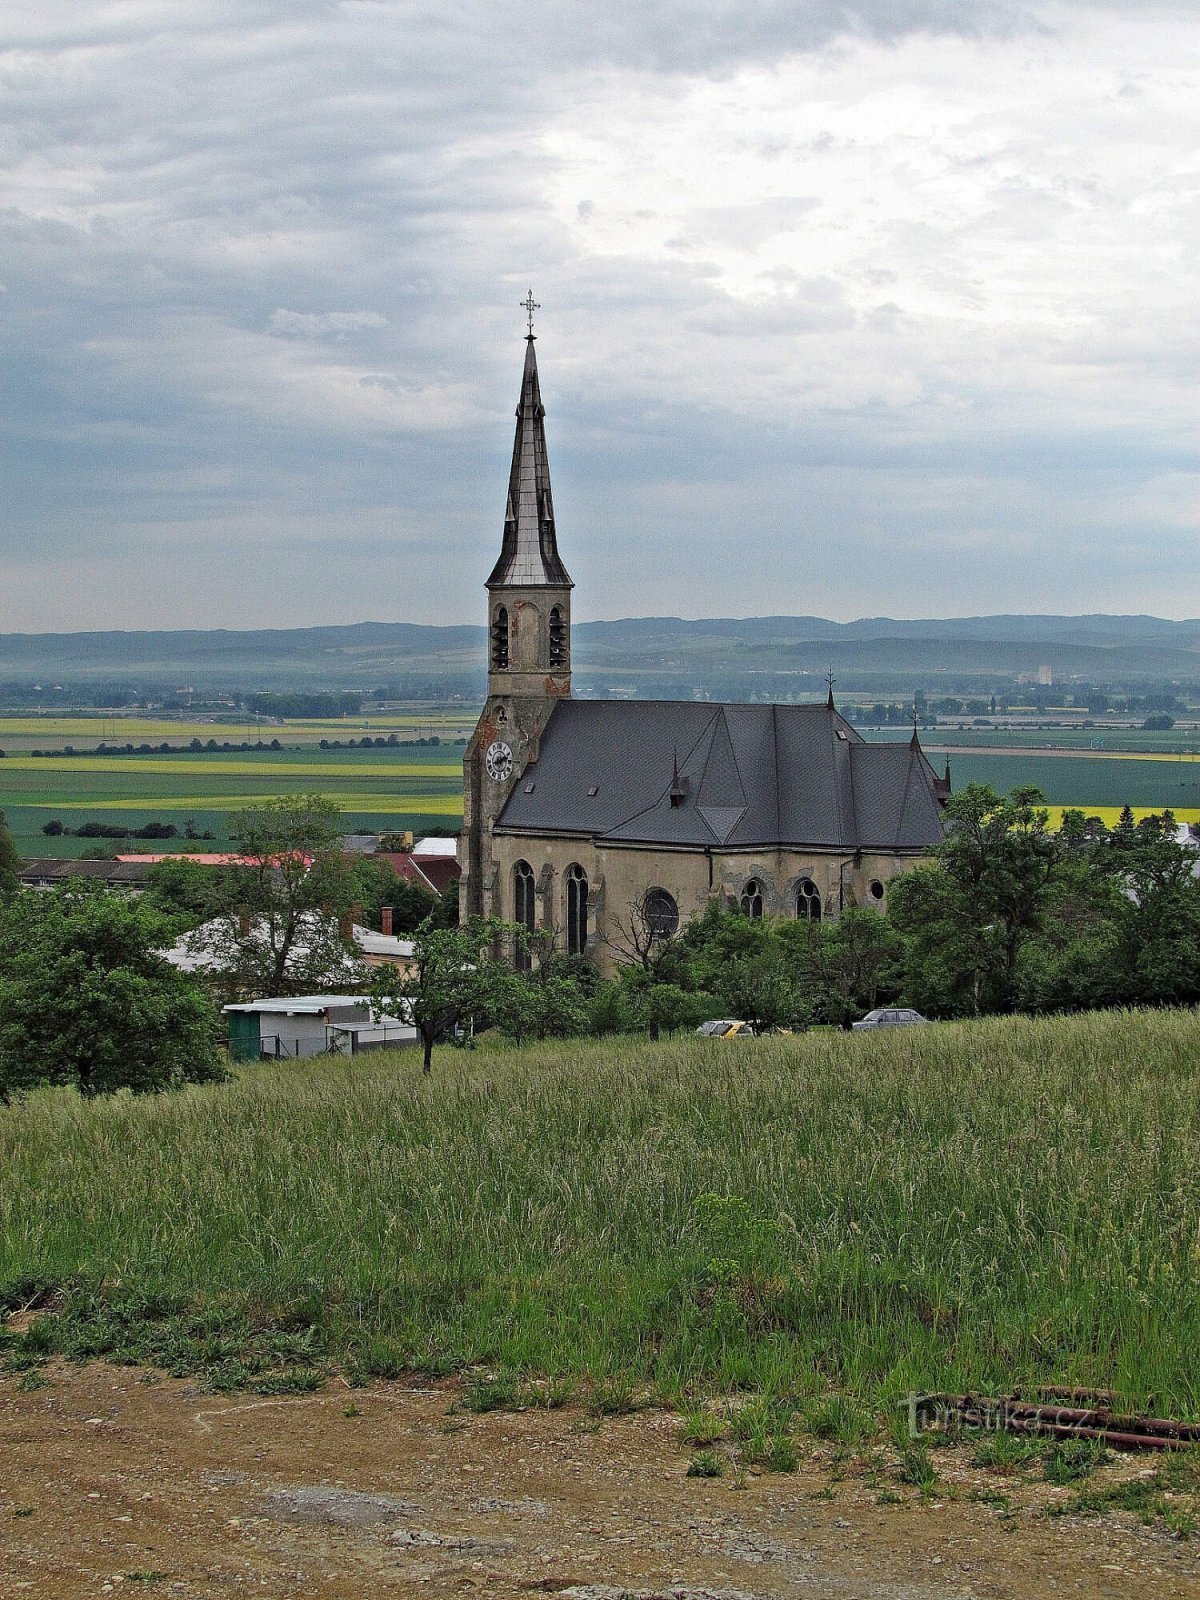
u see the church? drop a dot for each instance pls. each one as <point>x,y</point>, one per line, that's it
<point>606,825</point>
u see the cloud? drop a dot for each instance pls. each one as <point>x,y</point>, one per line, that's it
<point>813,277</point>
<point>316,324</point>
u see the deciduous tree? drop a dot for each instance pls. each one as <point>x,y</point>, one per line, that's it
<point>86,1001</point>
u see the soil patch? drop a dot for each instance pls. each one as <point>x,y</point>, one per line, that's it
<point>115,1477</point>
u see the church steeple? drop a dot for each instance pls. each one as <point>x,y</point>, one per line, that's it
<point>529,552</point>
<point>529,590</point>
<point>529,645</point>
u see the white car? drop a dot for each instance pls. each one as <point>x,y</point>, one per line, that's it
<point>890,1017</point>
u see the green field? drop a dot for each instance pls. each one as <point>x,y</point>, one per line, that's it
<point>376,789</point>
<point>19,734</point>
<point>964,1206</point>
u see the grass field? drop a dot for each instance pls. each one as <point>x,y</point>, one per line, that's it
<point>966,1206</point>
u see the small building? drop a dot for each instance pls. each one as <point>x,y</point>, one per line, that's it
<point>47,872</point>
<point>297,1026</point>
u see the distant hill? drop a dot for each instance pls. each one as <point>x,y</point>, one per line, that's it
<point>724,655</point>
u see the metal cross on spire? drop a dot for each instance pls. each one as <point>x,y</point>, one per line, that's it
<point>529,305</point>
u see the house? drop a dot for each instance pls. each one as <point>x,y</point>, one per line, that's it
<point>597,824</point>
<point>297,1026</point>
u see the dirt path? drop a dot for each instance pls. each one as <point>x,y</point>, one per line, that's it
<point>110,1482</point>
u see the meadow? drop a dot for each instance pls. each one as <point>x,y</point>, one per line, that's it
<point>963,1206</point>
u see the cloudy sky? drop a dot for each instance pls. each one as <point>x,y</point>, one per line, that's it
<point>849,310</point>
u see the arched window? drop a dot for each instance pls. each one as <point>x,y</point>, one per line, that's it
<point>577,910</point>
<point>808,901</point>
<point>524,912</point>
<point>752,899</point>
<point>661,914</point>
<point>558,638</point>
<point>500,640</point>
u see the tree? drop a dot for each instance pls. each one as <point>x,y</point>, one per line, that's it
<point>184,889</point>
<point>644,937</point>
<point>10,861</point>
<point>86,1000</point>
<point>967,916</point>
<point>275,929</point>
<point>762,990</point>
<point>378,884</point>
<point>453,974</point>
<point>527,1005</point>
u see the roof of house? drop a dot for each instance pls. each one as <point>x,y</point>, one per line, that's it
<point>694,775</point>
<point>198,858</point>
<point>56,869</point>
<point>403,865</point>
<point>303,1005</point>
<point>192,951</point>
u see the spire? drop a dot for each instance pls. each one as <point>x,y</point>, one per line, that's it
<point>832,680</point>
<point>529,553</point>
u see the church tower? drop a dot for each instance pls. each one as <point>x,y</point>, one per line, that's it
<point>529,644</point>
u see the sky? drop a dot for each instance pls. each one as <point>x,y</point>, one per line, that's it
<point>883,309</point>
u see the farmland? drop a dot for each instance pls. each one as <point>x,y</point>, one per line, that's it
<point>966,1206</point>
<point>401,786</point>
<point>411,785</point>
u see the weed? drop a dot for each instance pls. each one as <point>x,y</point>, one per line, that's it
<point>1006,1453</point>
<point>781,1454</point>
<point>23,1511</point>
<point>990,1497</point>
<point>707,1464</point>
<point>614,1397</point>
<point>1072,1460</point>
<point>33,1379</point>
<point>552,1395</point>
<point>837,1417</point>
<point>701,1427</point>
<point>145,1577</point>
<point>889,1497</point>
<point>501,1392</point>
<point>1180,1524</point>
<point>351,1410</point>
<point>916,1467</point>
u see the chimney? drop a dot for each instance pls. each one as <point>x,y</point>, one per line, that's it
<point>385,919</point>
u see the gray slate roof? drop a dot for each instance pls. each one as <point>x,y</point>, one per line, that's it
<point>742,776</point>
<point>529,552</point>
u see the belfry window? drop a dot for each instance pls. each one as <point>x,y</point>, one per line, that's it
<point>661,914</point>
<point>500,640</point>
<point>808,901</point>
<point>558,638</point>
<point>524,911</point>
<point>577,910</point>
<point>752,899</point>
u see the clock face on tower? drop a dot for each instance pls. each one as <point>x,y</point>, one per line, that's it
<point>498,761</point>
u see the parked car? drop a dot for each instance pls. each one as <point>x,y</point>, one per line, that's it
<point>890,1017</point>
<point>723,1028</point>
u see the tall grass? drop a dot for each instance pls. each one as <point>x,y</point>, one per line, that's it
<point>960,1206</point>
